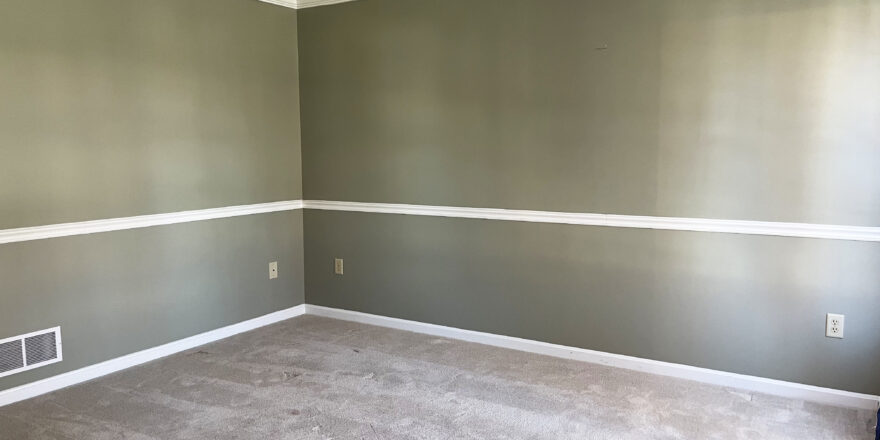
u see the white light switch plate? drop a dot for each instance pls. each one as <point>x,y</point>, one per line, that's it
<point>337,266</point>
<point>834,326</point>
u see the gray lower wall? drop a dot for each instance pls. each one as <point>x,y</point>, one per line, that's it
<point>114,108</point>
<point>733,109</point>
<point>745,304</point>
<point>117,293</point>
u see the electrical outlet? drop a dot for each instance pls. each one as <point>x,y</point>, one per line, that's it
<point>337,266</point>
<point>273,270</point>
<point>834,326</point>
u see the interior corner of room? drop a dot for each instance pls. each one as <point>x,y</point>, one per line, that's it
<point>541,217</point>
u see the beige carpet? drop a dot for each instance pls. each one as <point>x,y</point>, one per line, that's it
<point>317,378</point>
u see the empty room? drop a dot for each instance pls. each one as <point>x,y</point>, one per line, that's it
<point>439,219</point>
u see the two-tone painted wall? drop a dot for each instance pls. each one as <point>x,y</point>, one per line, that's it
<point>117,108</point>
<point>764,111</point>
<point>739,110</point>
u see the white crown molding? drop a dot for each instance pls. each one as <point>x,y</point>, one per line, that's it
<point>805,230</point>
<point>85,374</point>
<point>285,3</point>
<point>312,3</point>
<point>300,4</point>
<point>141,221</point>
<point>704,375</point>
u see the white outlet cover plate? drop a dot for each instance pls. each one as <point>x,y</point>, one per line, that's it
<point>834,325</point>
<point>273,270</point>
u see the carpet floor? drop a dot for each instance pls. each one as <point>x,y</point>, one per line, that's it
<point>318,378</point>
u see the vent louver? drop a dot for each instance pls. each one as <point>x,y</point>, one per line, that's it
<point>40,348</point>
<point>26,352</point>
<point>11,356</point>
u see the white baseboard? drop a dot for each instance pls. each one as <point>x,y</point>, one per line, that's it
<point>84,374</point>
<point>704,375</point>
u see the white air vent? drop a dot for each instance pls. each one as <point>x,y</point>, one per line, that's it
<point>26,352</point>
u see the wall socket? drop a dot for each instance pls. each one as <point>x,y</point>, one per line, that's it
<point>273,270</point>
<point>834,326</point>
<point>337,266</point>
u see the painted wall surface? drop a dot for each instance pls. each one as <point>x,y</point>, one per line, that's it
<point>116,108</point>
<point>745,304</point>
<point>749,110</point>
<point>766,110</point>
<point>121,292</point>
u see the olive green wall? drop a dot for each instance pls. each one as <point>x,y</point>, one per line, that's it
<point>735,109</point>
<point>758,110</point>
<point>117,293</point>
<point>753,110</point>
<point>745,304</point>
<point>115,108</point>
